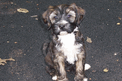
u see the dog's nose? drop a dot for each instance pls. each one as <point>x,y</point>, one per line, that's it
<point>61,26</point>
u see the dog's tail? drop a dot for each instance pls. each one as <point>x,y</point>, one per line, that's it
<point>47,54</point>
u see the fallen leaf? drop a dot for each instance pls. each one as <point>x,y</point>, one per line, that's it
<point>15,42</point>
<point>34,16</point>
<point>93,70</point>
<point>12,2</point>
<point>3,61</point>
<point>118,23</point>
<point>117,60</point>
<point>119,18</point>
<point>89,40</point>
<point>7,41</point>
<point>23,10</point>
<point>105,70</point>
<point>90,79</point>
<point>115,53</point>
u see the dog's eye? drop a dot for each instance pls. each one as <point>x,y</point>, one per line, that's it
<point>55,17</point>
<point>69,16</point>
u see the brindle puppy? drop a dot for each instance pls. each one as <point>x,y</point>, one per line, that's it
<point>67,45</point>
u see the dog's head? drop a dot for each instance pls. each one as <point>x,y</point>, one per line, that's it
<point>63,17</point>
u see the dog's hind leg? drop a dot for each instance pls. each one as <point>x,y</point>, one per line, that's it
<point>51,68</point>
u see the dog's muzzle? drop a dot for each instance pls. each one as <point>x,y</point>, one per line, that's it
<point>63,25</point>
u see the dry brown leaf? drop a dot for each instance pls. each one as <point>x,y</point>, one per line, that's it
<point>7,41</point>
<point>118,23</point>
<point>34,16</point>
<point>89,40</point>
<point>23,10</point>
<point>93,70</point>
<point>117,60</point>
<point>15,42</point>
<point>90,79</point>
<point>119,18</point>
<point>3,61</point>
<point>105,70</point>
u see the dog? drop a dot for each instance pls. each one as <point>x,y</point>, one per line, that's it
<point>66,51</point>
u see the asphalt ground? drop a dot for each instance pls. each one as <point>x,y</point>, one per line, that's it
<point>22,36</point>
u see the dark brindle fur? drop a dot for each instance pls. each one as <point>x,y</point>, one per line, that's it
<point>64,21</point>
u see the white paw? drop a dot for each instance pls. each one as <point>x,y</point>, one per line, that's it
<point>85,79</point>
<point>54,77</point>
<point>87,66</point>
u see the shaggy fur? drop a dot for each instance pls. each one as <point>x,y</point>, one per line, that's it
<point>66,51</point>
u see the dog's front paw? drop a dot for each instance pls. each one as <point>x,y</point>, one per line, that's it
<point>62,78</point>
<point>59,78</point>
<point>55,77</point>
<point>79,78</point>
<point>84,79</point>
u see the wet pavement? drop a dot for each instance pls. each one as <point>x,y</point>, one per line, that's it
<point>22,36</point>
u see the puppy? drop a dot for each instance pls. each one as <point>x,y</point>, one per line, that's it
<point>66,50</point>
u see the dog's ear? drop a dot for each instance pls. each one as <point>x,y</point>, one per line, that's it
<point>46,14</point>
<point>79,12</point>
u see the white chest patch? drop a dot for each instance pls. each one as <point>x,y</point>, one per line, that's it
<point>68,47</point>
